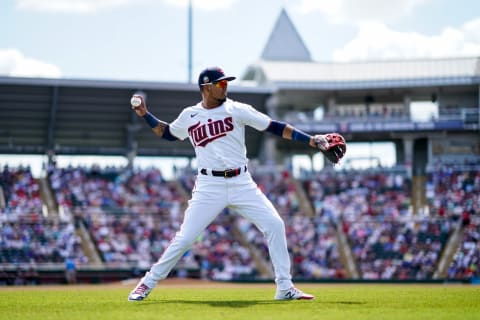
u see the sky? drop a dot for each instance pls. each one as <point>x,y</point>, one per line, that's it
<point>147,40</point>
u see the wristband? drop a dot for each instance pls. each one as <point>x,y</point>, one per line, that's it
<point>151,120</point>
<point>298,135</point>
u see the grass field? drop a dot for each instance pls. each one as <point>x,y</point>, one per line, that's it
<point>203,300</point>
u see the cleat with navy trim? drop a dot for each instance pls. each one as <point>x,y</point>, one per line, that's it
<point>293,294</point>
<point>140,292</point>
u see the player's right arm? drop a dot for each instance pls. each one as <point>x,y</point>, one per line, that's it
<point>159,127</point>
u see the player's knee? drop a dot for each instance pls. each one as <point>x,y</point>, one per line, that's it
<point>277,225</point>
<point>182,241</point>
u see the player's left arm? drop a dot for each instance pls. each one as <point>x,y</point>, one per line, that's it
<point>289,132</point>
<point>332,145</point>
<point>262,122</point>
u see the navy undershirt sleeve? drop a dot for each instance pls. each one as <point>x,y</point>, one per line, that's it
<point>168,135</point>
<point>276,127</point>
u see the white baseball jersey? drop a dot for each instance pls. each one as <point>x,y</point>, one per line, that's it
<point>218,134</point>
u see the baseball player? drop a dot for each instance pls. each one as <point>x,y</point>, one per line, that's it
<point>216,128</point>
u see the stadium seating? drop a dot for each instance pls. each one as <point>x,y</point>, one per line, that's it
<point>387,240</point>
<point>132,215</point>
<point>466,262</point>
<point>310,239</point>
<point>21,194</point>
<point>44,241</point>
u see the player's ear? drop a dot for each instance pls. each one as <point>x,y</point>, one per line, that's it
<point>205,89</point>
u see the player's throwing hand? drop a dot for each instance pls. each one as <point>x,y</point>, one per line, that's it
<point>138,104</point>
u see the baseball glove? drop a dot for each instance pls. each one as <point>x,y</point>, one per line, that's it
<point>332,145</point>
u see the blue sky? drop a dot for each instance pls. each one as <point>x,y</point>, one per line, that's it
<point>147,39</point>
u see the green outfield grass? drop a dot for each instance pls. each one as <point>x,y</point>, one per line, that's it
<point>342,301</point>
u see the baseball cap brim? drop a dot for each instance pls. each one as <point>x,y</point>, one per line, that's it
<point>224,78</point>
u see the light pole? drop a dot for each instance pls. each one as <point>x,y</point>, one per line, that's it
<point>190,34</point>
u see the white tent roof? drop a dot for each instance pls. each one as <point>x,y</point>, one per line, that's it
<point>409,72</point>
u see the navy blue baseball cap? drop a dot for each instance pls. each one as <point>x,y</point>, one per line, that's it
<point>212,75</point>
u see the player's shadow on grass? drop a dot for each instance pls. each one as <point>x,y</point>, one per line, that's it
<point>241,303</point>
<point>345,302</point>
<point>215,303</point>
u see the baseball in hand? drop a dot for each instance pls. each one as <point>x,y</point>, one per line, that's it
<point>135,101</point>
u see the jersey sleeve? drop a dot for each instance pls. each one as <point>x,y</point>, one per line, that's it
<point>179,126</point>
<point>252,117</point>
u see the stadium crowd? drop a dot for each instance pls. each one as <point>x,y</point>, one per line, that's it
<point>311,239</point>
<point>453,190</point>
<point>21,195</point>
<point>131,215</point>
<point>27,237</point>
<point>386,239</point>
<point>39,242</point>
<point>466,262</point>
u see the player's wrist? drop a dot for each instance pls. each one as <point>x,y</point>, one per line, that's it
<point>298,135</point>
<point>140,112</point>
<point>151,120</point>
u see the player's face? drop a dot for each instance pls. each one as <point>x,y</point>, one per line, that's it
<point>214,94</point>
<point>218,90</point>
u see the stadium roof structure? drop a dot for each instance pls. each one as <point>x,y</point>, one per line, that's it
<point>286,63</point>
<point>364,75</point>
<point>284,32</point>
<point>70,116</point>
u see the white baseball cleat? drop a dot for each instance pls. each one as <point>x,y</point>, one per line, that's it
<point>140,292</point>
<point>293,294</point>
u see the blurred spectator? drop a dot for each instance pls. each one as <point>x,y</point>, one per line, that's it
<point>31,275</point>
<point>19,279</point>
<point>70,270</point>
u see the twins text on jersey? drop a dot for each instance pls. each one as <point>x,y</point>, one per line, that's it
<point>203,134</point>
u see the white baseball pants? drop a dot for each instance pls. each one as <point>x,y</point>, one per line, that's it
<point>209,197</point>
